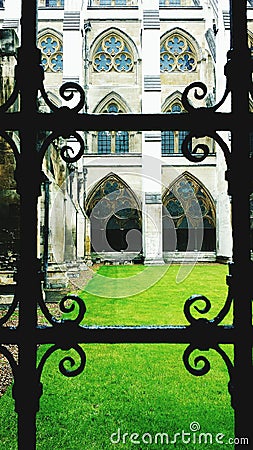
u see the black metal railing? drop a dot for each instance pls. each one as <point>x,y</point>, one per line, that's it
<point>201,333</point>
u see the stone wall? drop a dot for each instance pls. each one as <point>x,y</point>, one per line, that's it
<point>9,199</point>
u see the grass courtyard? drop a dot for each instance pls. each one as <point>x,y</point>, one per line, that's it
<point>138,395</point>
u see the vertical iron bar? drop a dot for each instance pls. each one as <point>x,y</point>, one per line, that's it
<point>26,390</point>
<point>46,231</point>
<point>240,190</point>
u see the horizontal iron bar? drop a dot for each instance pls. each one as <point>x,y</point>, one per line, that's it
<point>68,333</point>
<point>65,119</point>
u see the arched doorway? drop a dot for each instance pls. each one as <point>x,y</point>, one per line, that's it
<point>115,217</point>
<point>188,216</point>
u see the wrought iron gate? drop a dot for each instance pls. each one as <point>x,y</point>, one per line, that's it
<point>201,333</point>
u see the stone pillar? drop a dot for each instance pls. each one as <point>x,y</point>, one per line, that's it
<point>9,199</point>
<point>151,142</point>
<point>72,42</point>
<point>223,206</point>
<point>73,72</point>
<point>80,222</point>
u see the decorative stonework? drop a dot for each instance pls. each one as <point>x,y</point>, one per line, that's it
<point>152,83</point>
<point>51,48</point>
<point>151,19</point>
<point>189,204</point>
<point>113,53</point>
<point>177,54</point>
<point>152,198</point>
<point>210,38</point>
<point>172,140</point>
<point>71,20</point>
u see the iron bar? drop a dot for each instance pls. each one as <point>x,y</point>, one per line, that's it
<point>26,384</point>
<point>240,184</point>
<point>136,122</point>
<point>200,334</point>
<point>46,231</point>
<point>117,334</point>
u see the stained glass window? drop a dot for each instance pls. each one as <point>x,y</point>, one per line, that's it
<point>122,142</point>
<point>104,142</point>
<point>172,140</point>
<point>177,54</point>
<point>168,145</point>
<point>170,2</point>
<point>112,3</point>
<point>51,49</point>
<point>189,211</point>
<point>113,53</point>
<point>113,142</point>
<point>54,3</point>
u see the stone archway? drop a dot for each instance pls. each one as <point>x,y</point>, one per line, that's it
<point>115,217</point>
<point>188,216</point>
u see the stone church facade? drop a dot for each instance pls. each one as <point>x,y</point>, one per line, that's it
<point>133,196</point>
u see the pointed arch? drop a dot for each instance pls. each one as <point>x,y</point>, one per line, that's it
<point>112,142</point>
<point>49,30</point>
<point>53,98</point>
<point>119,32</point>
<point>190,209</point>
<point>114,51</point>
<point>112,97</point>
<point>109,183</point>
<point>172,140</point>
<point>51,46</point>
<point>114,211</point>
<point>179,52</point>
<point>172,98</point>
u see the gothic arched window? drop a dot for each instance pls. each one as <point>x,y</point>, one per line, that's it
<point>115,217</point>
<point>54,3</point>
<point>51,48</point>
<point>113,141</point>
<point>112,2</point>
<point>188,216</point>
<point>177,54</point>
<point>172,140</point>
<point>104,142</point>
<point>169,2</point>
<point>113,53</point>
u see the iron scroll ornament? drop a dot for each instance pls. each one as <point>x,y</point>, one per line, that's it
<point>76,304</point>
<point>201,330</point>
<point>67,365</point>
<point>66,92</point>
<point>201,326</point>
<point>193,154</point>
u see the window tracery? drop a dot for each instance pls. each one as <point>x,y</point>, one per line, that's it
<point>114,214</point>
<point>113,53</point>
<point>172,140</point>
<point>51,48</point>
<point>54,3</point>
<point>112,2</point>
<point>188,205</point>
<point>113,141</point>
<point>177,54</point>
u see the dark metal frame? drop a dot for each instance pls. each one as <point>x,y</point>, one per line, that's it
<point>201,333</point>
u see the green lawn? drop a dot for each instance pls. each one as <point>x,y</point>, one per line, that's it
<point>142,389</point>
